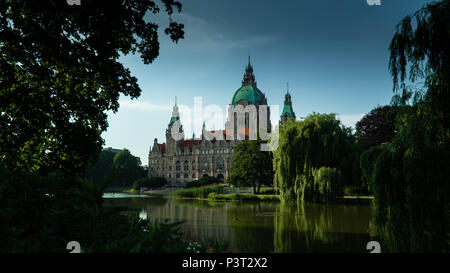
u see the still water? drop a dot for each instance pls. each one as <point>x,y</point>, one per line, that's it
<point>259,227</point>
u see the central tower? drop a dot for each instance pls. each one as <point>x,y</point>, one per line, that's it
<point>248,94</point>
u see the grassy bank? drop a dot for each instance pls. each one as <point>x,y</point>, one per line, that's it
<point>116,189</point>
<point>201,192</point>
<point>243,197</point>
<point>132,191</point>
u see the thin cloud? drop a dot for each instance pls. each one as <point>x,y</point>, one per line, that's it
<point>204,35</point>
<point>144,106</point>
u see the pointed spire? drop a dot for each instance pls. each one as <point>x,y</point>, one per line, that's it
<point>175,113</point>
<point>249,78</point>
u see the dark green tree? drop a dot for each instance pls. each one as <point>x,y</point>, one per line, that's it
<point>251,166</point>
<point>127,169</point>
<point>103,167</point>
<point>149,182</point>
<point>60,73</point>
<point>376,127</point>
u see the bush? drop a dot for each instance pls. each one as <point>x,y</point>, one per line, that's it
<point>202,192</point>
<point>42,213</point>
<point>268,191</point>
<point>149,182</point>
<point>206,180</point>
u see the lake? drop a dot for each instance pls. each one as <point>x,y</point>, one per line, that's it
<point>258,227</point>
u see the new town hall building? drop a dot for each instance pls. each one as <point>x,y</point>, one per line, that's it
<point>190,159</point>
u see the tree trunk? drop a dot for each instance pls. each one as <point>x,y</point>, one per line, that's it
<point>254,188</point>
<point>259,187</point>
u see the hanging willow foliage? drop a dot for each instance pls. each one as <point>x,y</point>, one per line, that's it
<point>304,147</point>
<point>410,180</point>
<point>410,176</point>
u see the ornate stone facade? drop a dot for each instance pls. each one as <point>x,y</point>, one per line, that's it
<point>190,159</point>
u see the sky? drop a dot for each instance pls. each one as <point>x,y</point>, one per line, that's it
<point>333,53</point>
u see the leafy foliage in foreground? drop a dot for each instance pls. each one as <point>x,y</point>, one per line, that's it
<point>42,214</point>
<point>410,176</point>
<point>60,73</point>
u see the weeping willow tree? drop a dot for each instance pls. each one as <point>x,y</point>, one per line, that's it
<point>410,176</point>
<point>314,159</point>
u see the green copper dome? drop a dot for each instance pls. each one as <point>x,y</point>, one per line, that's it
<point>249,93</point>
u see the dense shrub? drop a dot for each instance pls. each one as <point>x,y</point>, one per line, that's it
<point>206,180</point>
<point>149,182</point>
<point>201,192</point>
<point>42,213</point>
<point>268,191</point>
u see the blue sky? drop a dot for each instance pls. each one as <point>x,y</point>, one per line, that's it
<point>333,53</point>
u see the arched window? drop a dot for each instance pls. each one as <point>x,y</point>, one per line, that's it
<point>186,165</point>
<point>178,175</point>
<point>220,164</point>
<point>186,176</point>
<point>205,165</point>
<point>193,165</point>
<point>178,167</point>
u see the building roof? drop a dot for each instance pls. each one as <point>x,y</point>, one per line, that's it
<point>287,109</point>
<point>249,93</point>
<point>190,144</point>
<point>162,147</point>
<point>226,133</point>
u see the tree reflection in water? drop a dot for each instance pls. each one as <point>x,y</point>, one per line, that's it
<point>261,227</point>
<point>321,228</point>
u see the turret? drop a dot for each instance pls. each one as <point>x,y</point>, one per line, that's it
<point>249,78</point>
<point>288,111</point>
<point>174,121</point>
